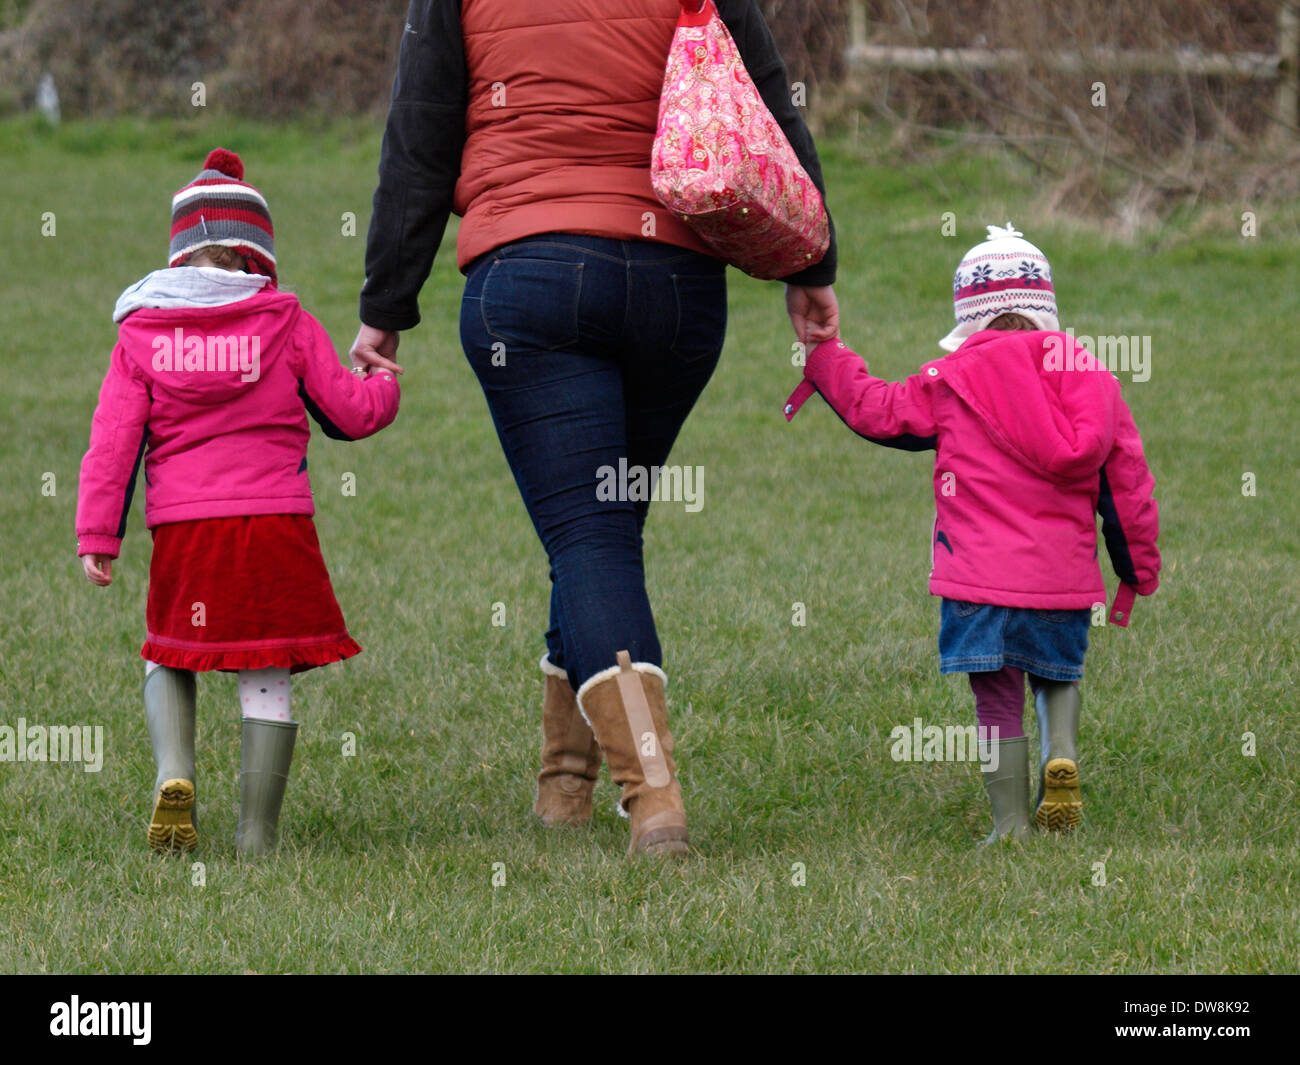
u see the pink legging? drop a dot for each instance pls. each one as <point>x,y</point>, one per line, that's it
<point>1000,700</point>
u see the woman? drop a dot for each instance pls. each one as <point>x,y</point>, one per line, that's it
<point>592,318</point>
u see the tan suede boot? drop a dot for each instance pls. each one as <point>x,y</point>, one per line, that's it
<point>626,708</point>
<point>570,755</point>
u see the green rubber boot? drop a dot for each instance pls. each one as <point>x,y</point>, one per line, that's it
<point>266,751</point>
<point>169,700</point>
<point>1059,806</point>
<point>1008,790</point>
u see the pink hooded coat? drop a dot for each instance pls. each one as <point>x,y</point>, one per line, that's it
<point>1026,456</point>
<point>214,399</point>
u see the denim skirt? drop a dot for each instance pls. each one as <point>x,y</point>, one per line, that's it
<point>980,637</point>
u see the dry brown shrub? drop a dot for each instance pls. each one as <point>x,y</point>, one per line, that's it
<point>312,56</point>
<point>1162,137</point>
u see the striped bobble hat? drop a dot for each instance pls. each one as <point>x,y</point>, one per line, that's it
<point>1004,274</point>
<point>218,207</point>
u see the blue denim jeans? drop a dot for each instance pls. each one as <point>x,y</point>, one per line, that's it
<point>590,351</point>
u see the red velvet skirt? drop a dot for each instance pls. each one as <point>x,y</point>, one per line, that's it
<point>242,593</point>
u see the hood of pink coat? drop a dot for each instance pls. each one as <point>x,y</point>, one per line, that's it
<point>208,355</point>
<point>1040,397</point>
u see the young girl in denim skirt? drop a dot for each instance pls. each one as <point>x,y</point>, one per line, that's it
<point>1032,441</point>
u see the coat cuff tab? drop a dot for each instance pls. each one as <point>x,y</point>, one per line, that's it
<point>1122,608</point>
<point>798,398</point>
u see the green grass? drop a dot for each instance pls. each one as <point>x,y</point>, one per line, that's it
<point>782,731</point>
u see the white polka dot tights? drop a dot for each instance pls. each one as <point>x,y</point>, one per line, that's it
<point>264,694</point>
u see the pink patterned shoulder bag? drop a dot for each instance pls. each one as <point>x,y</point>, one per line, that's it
<point>722,163</point>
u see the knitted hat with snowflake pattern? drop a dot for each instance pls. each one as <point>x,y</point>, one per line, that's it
<point>219,207</point>
<point>1005,274</point>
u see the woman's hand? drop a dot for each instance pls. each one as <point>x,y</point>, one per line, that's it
<point>98,569</point>
<point>374,349</point>
<point>814,313</point>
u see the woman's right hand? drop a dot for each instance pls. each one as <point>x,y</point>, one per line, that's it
<point>374,349</point>
<point>98,569</point>
<point>814,313</point>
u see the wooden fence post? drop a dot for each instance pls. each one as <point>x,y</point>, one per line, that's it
<point>1288,71</point>
<point>857,23</point>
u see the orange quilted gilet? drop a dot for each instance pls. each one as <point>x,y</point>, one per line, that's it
<point>563,106</point>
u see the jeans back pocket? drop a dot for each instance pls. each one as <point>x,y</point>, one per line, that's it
<point>533,302</point>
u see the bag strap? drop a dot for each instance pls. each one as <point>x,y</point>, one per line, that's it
<point>693,7</point>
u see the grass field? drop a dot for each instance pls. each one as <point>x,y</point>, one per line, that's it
<point>388,858</point>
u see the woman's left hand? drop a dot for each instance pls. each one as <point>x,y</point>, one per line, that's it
<point>374,350</point>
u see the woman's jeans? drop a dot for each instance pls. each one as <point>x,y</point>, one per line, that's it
<point>591,353</point>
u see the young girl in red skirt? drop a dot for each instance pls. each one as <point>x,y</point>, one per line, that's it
<point>210,384</point>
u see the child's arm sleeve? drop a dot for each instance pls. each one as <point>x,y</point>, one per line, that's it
<point>896,414</point>
<point>1130,519</point>
<point>345,405</point>
<point>118,433</point>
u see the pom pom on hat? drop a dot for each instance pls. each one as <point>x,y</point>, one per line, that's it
<point>226,161</point>
<point>219,207</point>
<point>1004,274</point>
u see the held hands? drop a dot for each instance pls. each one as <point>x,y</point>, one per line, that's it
<point>98,569</point>
<point>374,350</point>
<point>814,313</point>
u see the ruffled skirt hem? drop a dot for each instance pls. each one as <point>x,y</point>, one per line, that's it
<point>295,659</point>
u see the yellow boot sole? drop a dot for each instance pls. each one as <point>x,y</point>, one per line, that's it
<point>1062,807</point>
<point>171,828</point>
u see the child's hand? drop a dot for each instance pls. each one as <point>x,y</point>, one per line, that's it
<point>98,569</point>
